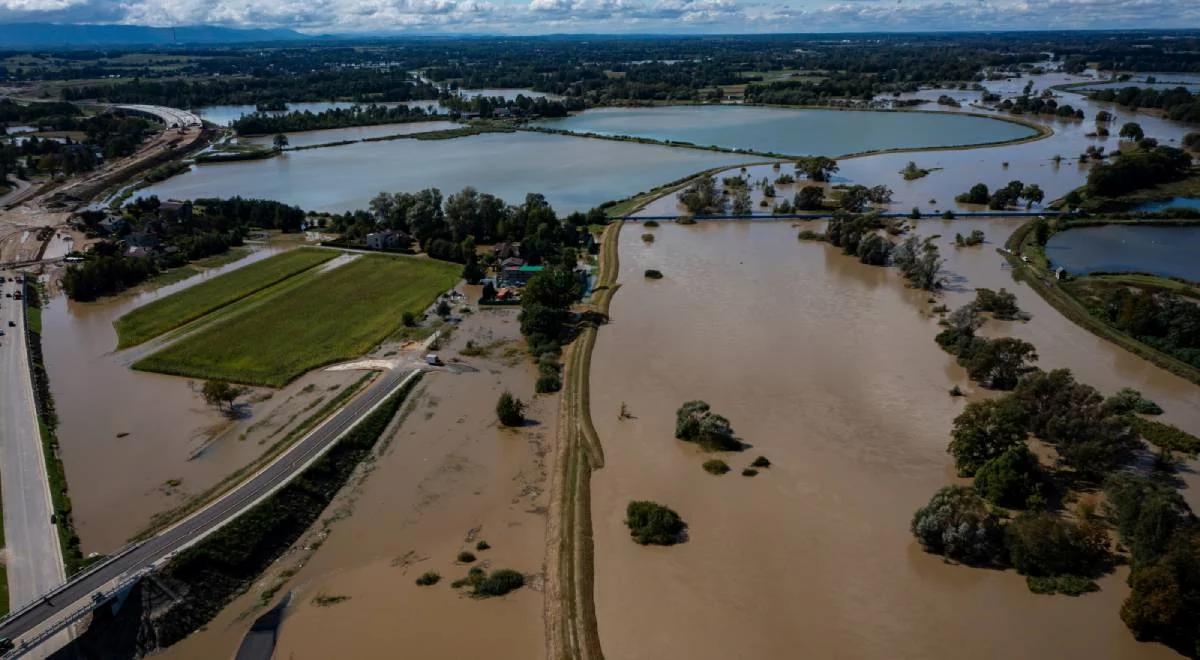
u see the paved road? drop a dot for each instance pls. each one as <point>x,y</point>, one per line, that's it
<point>169,116</point>
<point>33,554</point>
<point>80,590</point>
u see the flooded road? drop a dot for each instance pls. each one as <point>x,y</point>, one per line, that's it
<point>829,368</point>
<point>137,443</point>
<point>447,478</point>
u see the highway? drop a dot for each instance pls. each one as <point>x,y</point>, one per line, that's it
<point>34,558</point>
<point>169,116</point>
<point>79,593</point>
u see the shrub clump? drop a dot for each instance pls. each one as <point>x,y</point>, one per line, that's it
<point>1129,400</point>
<point>716,466</point>
<point>1167,437</point>
<point>428,579</point>
<point>653,274</point>
<point>466,557</point>
<point>651,523</point>
<point>695,422</point>
<point>650,223</point>
<point>482,545</point>
<point>648,238</point>
<point>761,462</point>
<point>1002,304</point>
<point>1011,478</point>
<point>510,410</point>
<point>1044,545</point>
<point>749,472</point>
<point>499,582</point>
<point>958,524</point>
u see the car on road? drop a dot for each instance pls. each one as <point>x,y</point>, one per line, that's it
<point>6,645</point>
<point>12,324</point>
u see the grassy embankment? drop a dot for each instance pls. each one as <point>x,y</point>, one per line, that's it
<point>215,571</point>
<point>571,613</point>
<point>165,314</point>
<point>340,315</point>
<point>56,475</point>
<point>1060,295</point>
<point>181,273</point>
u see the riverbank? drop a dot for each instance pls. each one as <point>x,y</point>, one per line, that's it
<point>1037,274</point>
<point>571,629</point>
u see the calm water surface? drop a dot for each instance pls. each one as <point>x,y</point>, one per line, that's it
<point>1166,251</point>
<point>574,174</point>
<point>825,132</point>
<point>1175,203</point>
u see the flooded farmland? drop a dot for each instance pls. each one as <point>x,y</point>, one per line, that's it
<point>135,443</point>
<point>829,368</point>
<point>1165,251</point>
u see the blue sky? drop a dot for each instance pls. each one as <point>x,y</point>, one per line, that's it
<point>616,16</point>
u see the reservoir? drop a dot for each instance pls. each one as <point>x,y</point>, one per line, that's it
<point>574,174</point>
<point>793,132</point>
<point>1165,251</point>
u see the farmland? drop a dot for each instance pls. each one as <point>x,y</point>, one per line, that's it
<point>178,309</point>
<point>340,315</point>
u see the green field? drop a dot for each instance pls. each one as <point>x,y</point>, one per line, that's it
<point>165,314</point>
<point>339,315</point>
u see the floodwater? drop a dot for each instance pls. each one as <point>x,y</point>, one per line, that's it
<point>788,131</point>
<point>574,174</point>
<point>1052,162</point>
<point>325,136</point>
<point>1173,203</point>
<point>829,368</point>
<point>1166,251</point>
<point>125,435</point>
<point>449,476</point>
<point>222,115</point>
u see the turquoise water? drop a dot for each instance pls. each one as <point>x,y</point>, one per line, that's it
<point>1165,251</point>
<point>792,131</point>
<point>1174,203</point>
<point>574,174</point>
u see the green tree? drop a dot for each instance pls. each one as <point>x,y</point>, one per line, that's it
<point>1009,479</point>
<point>809,198</point>
<point>999,363</point>
<point>985,430</point>
<point>510,410</point>
<point>651,523</point>
<point>817,168</point>
<point>219,394</point>
<point>957,524</point>
<point>1131,131</point>
<point>1043,545</point>
<point>280,141</point>
<point>695,422</point>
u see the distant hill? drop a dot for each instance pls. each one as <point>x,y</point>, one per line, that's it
<point>28,35</point>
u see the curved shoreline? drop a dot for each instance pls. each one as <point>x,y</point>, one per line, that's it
<point>1041,132</point>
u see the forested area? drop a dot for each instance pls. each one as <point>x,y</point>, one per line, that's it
<point>167,237</point>
<point>1178,103</point>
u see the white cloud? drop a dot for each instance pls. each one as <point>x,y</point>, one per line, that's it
<point>534,16</point>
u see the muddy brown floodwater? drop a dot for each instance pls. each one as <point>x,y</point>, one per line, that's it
<point>829,368</point>
<point>448,477</point>
<point>135,443</point>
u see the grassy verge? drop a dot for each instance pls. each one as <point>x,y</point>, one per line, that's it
<point>165,519</point>
<point>165,314</point>
<point>56,475</point>
<point>340,315</point>
<point>1038,276</point>
<point>168,277</point>
<point>215,571</point>
<point>572,630</point>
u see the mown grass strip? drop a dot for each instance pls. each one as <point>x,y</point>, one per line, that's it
<point>340,315</point>
<point>178,309</point>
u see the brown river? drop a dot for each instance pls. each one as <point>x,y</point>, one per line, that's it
<point>829,368</point>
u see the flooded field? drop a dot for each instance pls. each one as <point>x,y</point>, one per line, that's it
<point>796,132</point>
<point>574,174</point>
<point>447,478</point>
<point>829,368</point>
<point>135,443</point>
<point>1166,251</point>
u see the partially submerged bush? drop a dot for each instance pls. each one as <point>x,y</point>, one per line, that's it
<point>1068,585</point>
<point>651,523</point>
<point>466,557</point>
<point>650,223</point>
<point>428,578</point>
<point>958,524</point>
<point>761,462</point>
<point>749,472</point>
<point>653,274</point>
<point>1129,400</point>
<point>1044,545</point>
<point>482,545</point>
<point>648,238</point>
<point>1002,304</point>
<point>695,422</point>
<point>716,466</point>
<point>1010,478</point>
<point>499,582</point>
<point>1165,436</point>
<point>510,410</point>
